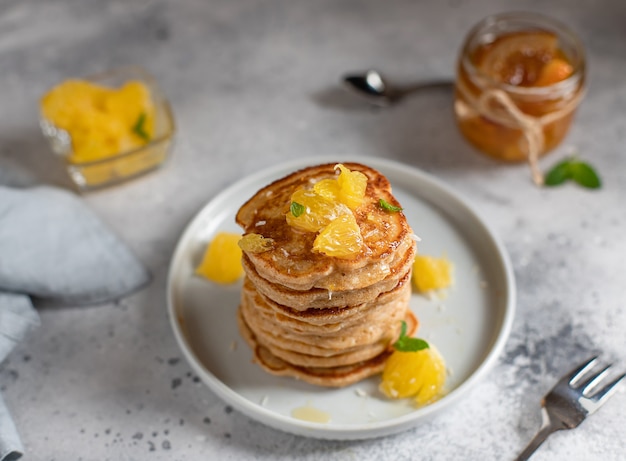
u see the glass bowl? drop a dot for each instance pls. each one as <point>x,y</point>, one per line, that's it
<point>125,164</point>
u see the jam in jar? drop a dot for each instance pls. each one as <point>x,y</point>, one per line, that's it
<point>520,78</point>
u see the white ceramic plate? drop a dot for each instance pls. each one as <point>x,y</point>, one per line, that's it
<point>469,325</point>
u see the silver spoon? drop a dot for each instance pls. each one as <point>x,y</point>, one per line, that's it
<point>374,88</point>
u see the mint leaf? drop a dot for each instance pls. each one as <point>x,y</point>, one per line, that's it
<point>410,344</point>
<point>403,329</point>
<point>558,174</point>
<point>297,209</point>
<point>573,169</point>
<point>585,175</point>
<point>407,344</point>
<point>139,129</point>
<point>388,206</point>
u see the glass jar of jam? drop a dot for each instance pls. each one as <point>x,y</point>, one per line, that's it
<point>520,78</point>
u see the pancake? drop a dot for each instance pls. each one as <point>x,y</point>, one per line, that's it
<point>382,323</point>
<point>295,343</point>
<point>324,322</point>
<point>318,298</point>
<point>337,376</point>
<point>292,263</point>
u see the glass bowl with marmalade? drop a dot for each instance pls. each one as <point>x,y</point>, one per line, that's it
<point>108,127</point>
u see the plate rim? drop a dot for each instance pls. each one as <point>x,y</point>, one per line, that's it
<point>365,430</point>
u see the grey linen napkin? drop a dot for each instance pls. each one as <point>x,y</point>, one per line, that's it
<point>53,248</point>
<point>17,317</point>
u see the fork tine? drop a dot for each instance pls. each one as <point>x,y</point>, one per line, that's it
<point>575,375</point>
<point>607,391</point>
<point>593,381</point>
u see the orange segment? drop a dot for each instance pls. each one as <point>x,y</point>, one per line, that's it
<point>348,188</point>
<point>222,259</point>
<point>327,188</point>
<point>255,243</point>
<point>341,238</point>
<point>420,374</point>
<point>553,72</point>
<point>431,273</point>
<point>352,186</point>
<point>318,211</point>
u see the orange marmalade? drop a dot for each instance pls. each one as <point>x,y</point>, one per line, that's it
<point>520,78</point>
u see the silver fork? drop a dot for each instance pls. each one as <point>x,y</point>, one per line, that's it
<point>570,401</point>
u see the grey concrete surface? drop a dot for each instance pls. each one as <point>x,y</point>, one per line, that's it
<point>255,83</point>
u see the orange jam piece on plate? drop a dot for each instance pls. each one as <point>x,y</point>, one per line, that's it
<point>431,273</point>
<point>420,374</point>
<point>222,259</point>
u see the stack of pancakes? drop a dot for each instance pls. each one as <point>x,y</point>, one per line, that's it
<point>325,320</point>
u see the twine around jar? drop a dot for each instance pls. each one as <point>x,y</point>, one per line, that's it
<point>512,117</point>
